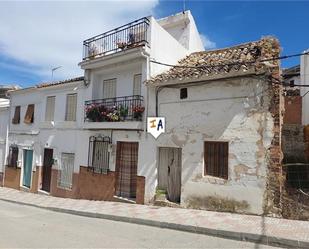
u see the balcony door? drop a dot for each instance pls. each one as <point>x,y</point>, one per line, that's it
<point>109,88</point>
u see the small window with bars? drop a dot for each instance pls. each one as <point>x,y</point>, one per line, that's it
<point>70,114</point>
<point>98,156</point>
<point>216,159</point>
<point>13,156</point>
<point>65,175</point>
<point>29,117</point>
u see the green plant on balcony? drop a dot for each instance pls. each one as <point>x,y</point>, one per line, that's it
<point>123,111</point>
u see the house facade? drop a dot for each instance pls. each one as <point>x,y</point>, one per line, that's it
<point>86,137</point>
<point>221,148</point>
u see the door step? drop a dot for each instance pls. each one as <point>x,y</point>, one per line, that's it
<point>123,199</point>
<point>42,192</point>
<point>25,189</point>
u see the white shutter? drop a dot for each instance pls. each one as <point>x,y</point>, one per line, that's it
<point>50,108</point>
<point>109,89</point>
<point>65,178</point>
<point>137,84</point>
<point>71,107</point>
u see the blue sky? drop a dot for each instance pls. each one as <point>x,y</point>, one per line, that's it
<point>36,37</point>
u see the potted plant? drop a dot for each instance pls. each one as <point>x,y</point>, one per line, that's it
<point>121,45</point>
<point>123,111</point>
<point>138,112</point>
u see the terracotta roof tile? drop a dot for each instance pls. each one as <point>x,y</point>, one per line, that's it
<point>239,58</point>
<point>47,84</point>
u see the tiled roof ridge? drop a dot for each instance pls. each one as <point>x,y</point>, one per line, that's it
<point>48,84</point>
<point>220,61</point>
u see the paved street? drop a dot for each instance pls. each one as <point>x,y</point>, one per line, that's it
<point>24,226</point>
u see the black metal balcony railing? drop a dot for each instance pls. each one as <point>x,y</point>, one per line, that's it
<point>128,108</point>
<point>131,35</point>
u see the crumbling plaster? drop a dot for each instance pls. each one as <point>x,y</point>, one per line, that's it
<point>236,111</point>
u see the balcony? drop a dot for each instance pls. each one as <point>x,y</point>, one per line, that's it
<point>113,113</point>
<point>131,35</point>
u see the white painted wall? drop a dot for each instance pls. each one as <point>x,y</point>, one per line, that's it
<point>182,27</point>
<point>4,119</point>
<point>220,111</point>
<point>163,48</point>
<point>60,134</point>
<point>304,78</point>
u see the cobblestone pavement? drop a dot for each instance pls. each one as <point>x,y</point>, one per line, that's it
<point>266,230</point>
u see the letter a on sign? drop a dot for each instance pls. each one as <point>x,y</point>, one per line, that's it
<point>155,126</point>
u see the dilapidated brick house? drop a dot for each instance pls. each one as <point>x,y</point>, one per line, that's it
<point>222,146</point>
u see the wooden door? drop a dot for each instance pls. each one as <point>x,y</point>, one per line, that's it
<point>126,169</point>
<point>169,172</point>
<point>27,169</point>
<point>47,168</point>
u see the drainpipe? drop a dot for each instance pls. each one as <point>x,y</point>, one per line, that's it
<point>158,89</point>
<point>146,56</point>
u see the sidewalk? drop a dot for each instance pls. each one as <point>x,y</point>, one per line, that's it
<point>270,231</point>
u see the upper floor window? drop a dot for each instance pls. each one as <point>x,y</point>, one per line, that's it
<point>50,108</point>
<point>216,159</point>
<point>13,156</point>
<point>29,117</point>
<point>137,83</point>
<point>70,114</point>
<point>16,118</point>
<point>109,88</point>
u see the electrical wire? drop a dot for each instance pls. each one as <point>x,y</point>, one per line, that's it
<point>232,63</point>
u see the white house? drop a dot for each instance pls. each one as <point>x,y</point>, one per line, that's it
<point>87,137</point>
<point>4,114</point>
<point>62,138</point>
<point>221,149</point>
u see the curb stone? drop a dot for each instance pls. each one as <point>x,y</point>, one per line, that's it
<point>240,236</point>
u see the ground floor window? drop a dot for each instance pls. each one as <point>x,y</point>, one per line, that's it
<point>216,159</point>
<point>65,176</point>
<point>98,156</point>
<point>13,156</point>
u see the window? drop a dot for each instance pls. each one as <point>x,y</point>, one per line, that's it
<point>98,157</point>
<point>109,88</point>
<point>50,108</point>
<point>216,159</point>
<point>16,118</point>
<point>13,156</point>
<point>183,93</point>
<point>29,117</point>
<point>137,84</point>
<point>70,114</point>
<point>65,176</point>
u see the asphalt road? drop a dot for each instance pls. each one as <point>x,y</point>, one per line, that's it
<point>30,227</point>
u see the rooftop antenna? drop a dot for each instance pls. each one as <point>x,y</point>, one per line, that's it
<point>53,70</point>
<point>184,6</point>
